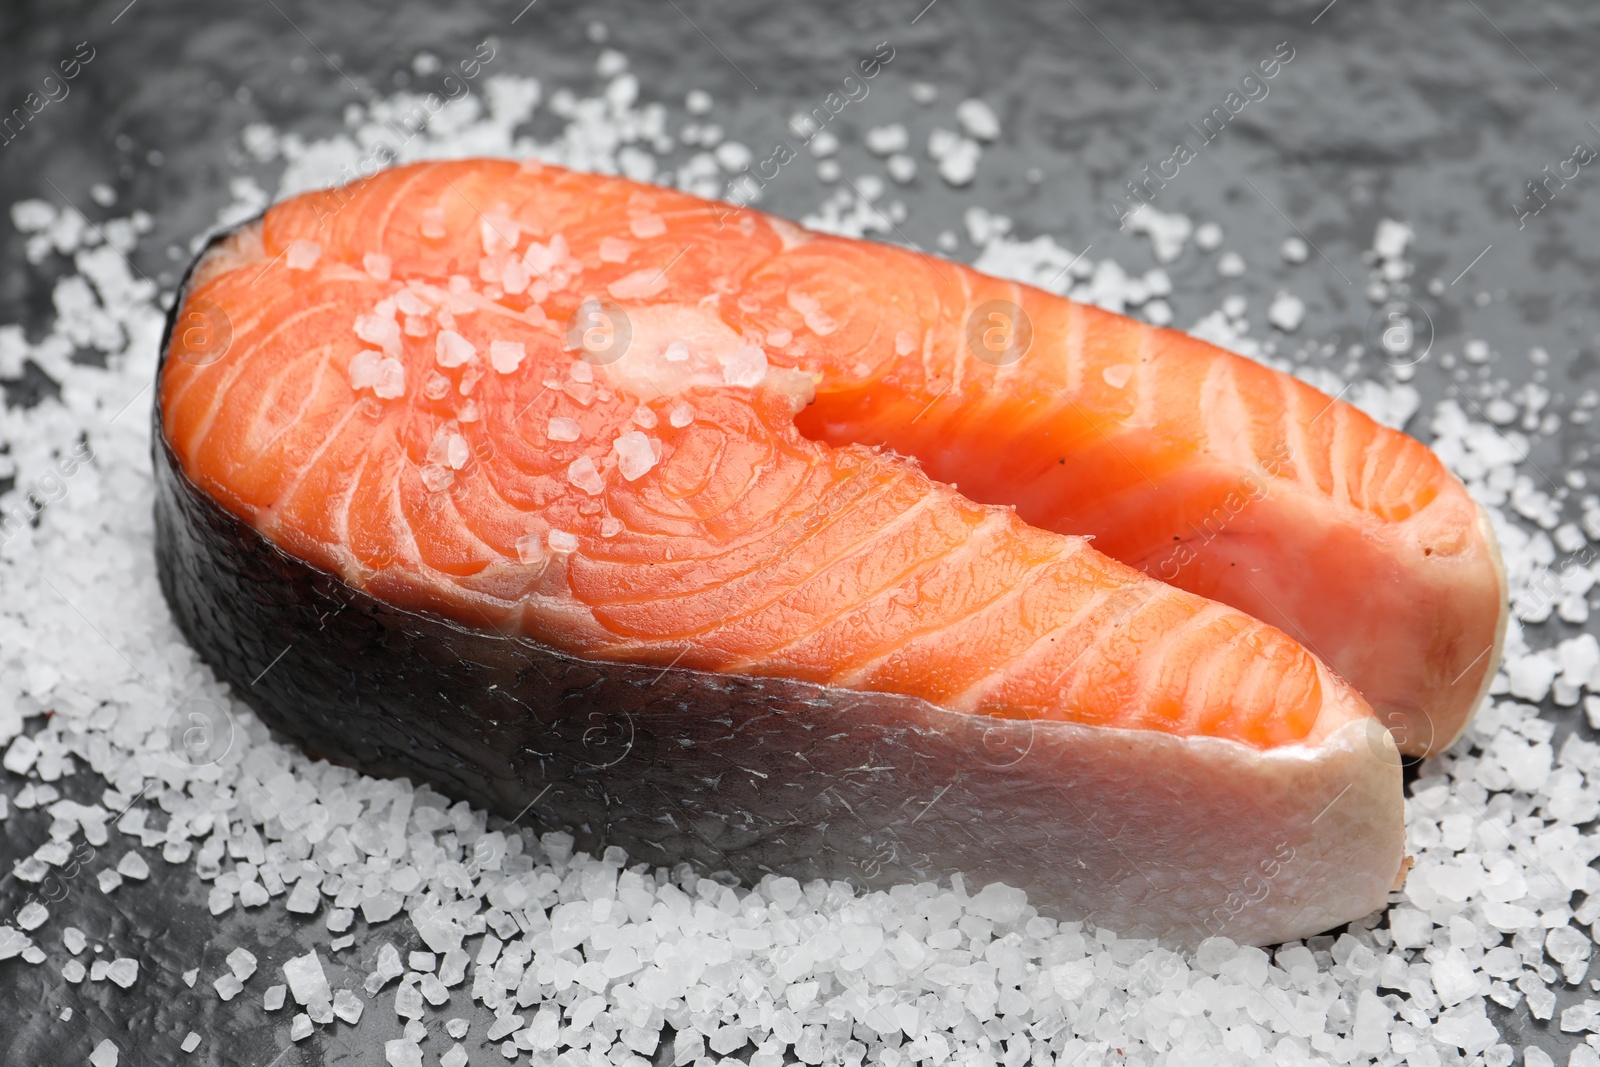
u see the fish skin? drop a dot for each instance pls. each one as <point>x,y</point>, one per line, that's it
<point>757,775</point>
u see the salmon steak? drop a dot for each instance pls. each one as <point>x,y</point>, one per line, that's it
<point>685,529</point>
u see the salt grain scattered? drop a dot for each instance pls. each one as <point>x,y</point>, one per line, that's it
<point>1286,312</point>
<point>635,456</point>
<point>529,550</point>
<point>123,971</point>
<point>745,366</point>
<point>978,119</point>
<point>506,356</point>
<point>453,350</point>
<point>583,473</point>
<point>348,1006</point>
<point>306,978</point>
<point>242,962</point>
<point>303,255</point>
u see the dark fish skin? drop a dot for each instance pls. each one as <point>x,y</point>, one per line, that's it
<point>741,774</point>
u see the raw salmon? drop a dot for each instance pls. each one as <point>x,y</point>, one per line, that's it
<point>559,487</point>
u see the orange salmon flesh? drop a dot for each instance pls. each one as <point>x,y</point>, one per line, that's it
<point>641,427</point>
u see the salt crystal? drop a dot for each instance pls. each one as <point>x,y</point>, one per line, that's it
<point>1391,238</point>
<point>391,381</point>
<point>640,285</point>
<point>242,962</point>
<point>1286,312</point>
<point>1231,265</point>
<point>676,352</point>
<point>635,456</point>
<point>432,225</point>
<point>810,309</point>
<point>191,1041</point>
<point>453,350</point>
<point>615,250</point>
<point>228,986</point>
<point>73,938</point>
<point>379,331</point>
<point>377,265</point>
<point>218,900</point>
<point>506,356</point>
<point>561,428</point>
<point>583,473</point>
<point>681,415</point>
<point>1117,376</point>
<point>348,1006</point>
<point>455,1056</point>
<point>123,971</point>
<point>303,255</point>
<point>104,1054</point>
<point>32,915</point>
<point>437,477</point>
<point>745,366</point>
<point>562,541</point>
<point>300,1027</point>
<point>272,1000</point>
<point>1468,1030</point>
<point>643,417</point>
<point>645,227</point>
<point>610,526</point>
<point>306,978</point>
<point>408,1000</point>
<point>385,905</point>
<point>1294,250</point>
<point>456,451</point>
<point>189,976</point>
<point>21,754</point>
<point>72,971</point>
<point>132,865</point>
<point>978,119</point>
<point>885,140</point>
<point>402,1053</point>
<point>434,991</point>
<point>303,898</point>
<point>901,167</point>
<point>1566,944</point>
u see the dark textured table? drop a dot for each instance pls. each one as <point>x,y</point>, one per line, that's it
<point>1434,114</point>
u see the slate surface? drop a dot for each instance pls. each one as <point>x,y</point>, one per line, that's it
<point>1436,114</point>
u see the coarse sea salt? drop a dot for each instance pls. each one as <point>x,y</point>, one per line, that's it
<point>635,455</point>
<point>506,356</point>
<point>302,255</point>
<point>583,473</point>
<point>453,350</point>
<point>1499,907</point>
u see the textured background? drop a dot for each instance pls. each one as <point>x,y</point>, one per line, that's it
<point>1434,113</point>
